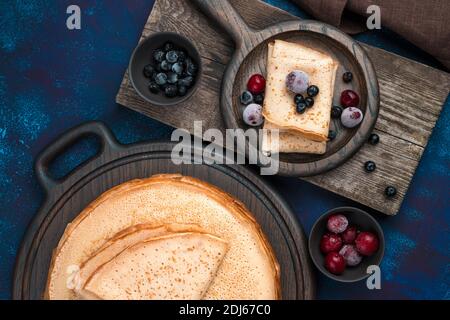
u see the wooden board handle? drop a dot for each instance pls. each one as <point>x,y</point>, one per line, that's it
<point>107,139</point>
<point>223,12</point>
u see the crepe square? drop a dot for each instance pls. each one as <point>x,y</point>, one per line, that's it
<point>279,107</point>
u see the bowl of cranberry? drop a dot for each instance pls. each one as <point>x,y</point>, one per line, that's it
<point>344,242</point>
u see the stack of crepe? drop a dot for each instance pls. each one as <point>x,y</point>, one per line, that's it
<point>165,237</point>
<point>302,133</point>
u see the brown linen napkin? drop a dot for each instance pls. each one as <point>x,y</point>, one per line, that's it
<point>424,23</point>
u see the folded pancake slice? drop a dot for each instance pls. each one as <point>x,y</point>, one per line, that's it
<point>177,266</point>
<point>120,242</point>
<point>279,107</point>
<point>289,141</point>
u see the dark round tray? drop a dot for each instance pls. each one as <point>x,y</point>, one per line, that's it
<point>116,163</point>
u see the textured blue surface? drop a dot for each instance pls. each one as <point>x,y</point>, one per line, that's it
<point>52,79</point>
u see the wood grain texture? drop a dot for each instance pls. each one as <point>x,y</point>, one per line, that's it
<point>407,115</point>
<point>116,164</point>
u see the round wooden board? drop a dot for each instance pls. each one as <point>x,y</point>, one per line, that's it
<point>250,57</point>
<point>116,164</point>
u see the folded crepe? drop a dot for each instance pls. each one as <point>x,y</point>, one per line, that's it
<point>248,271</point>
<point>289,141</point>
<point>119,242</point>
<point>279,108</point>
<point>177,266</point>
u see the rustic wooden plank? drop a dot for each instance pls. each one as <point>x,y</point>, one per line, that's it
<point>412,96</point>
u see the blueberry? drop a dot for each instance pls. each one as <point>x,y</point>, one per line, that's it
<point>374,139</point>
<point>181,56</point>
<point>148,71</point>
<point>390,191</point>
<point>166,66</point>
<point>297,81</point>
<point>336,112</point>
<point>158,68</point>
<point>191,67</point>
<point>259,98</point>
<point>172,56</point>
<point>161,78</point>
<point>158,55</point>
<point>172,78</point>
<point>186,81</point>
<point>182,90</point>
<point>153,87</point>
<point>171,91</point>
<point>301,107</point>
<point>312,91</point>
<point>252,115</point>
<point>370,166</point>
<point>299,98</point>
<point>246,98</point>
<point>347,76</point>
<point>178,68</point>
<point>332,135</point>
<point>309,102</point>
<point>168,46</point>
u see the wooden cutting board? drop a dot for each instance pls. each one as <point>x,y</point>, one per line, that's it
<point>115,164</point>
<point>412,96</point>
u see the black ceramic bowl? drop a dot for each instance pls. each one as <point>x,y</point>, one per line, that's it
<point>363,222</point>
<point>142,56</point>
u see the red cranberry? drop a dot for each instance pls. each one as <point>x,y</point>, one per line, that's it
<point>337,223</point>
<point>256,84</point>
<point>367,243</point>
<point>335,263</point>
<point>349,235</point>
<point>349,98</point>
<point>330,242</point>
<point>351,256</point>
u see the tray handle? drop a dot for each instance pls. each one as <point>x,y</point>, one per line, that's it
<point>223,12</point>
<point>108,143</point>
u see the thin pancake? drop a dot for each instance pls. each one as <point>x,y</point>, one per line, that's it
<point>178,266</point>
<point>249,270</point>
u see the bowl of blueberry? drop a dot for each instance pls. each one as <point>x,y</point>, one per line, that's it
<point>344,242</point>
<point>164,68</point>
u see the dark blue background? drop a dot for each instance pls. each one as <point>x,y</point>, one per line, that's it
<point>52,79</point>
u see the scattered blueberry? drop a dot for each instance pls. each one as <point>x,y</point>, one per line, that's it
<point>332,135</point>
<point>297,81</point>
<point>165,65</point>
<point>171,91</point>
<point>370,166</point>
<point>148,71</point>
<point>172,56</point>
<point>168,46</point>
<point>161,78</point>
<point>301,107</point>
<point>259,98</point>
<point>374,139</point>
<point>153,87</point>
<point>182,90</point>
<point>336,112</point>
<point>347,77</point>
<point>309,102</point>
<point>178,68</point>
<point>159,55</point>
<point>186,81</point>
<point>246,98</point>
<point>390,191</point>
<point>299,98</point>
<point>312,91</point>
